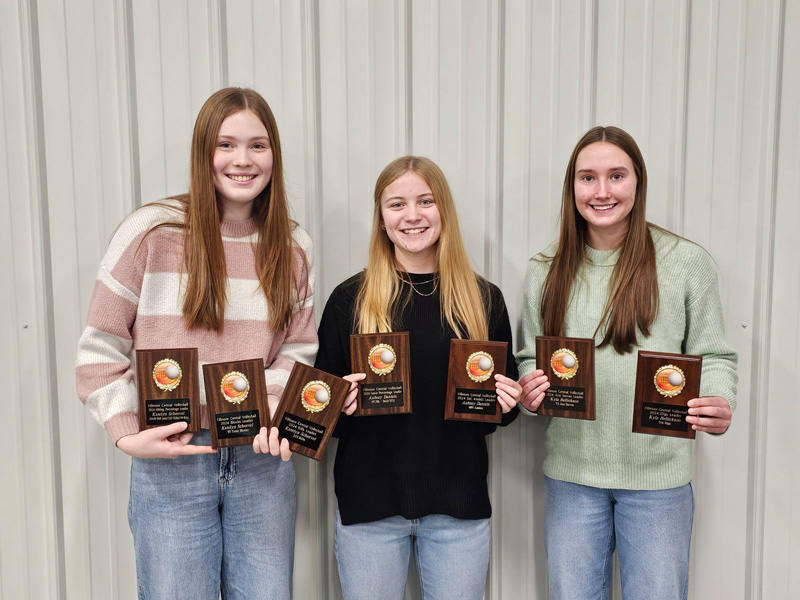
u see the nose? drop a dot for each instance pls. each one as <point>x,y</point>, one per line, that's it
<point>242,157</point>
<point>602,189</point>
<point>412,213</point>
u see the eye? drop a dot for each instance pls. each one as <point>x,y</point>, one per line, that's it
<point>617,176</point>
<point>225,145</point>
<point>395,205</point>
<point>587,178</point>
<point>426,202</point>
<point>260,146</point>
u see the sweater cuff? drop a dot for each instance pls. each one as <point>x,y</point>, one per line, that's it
<point>525,411</point>
<point>122,424</point>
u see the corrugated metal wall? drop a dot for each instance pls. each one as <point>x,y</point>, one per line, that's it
<point>98,101</point>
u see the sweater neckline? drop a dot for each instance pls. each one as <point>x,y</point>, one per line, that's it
<point>238,229</point>
<point>602,258</point>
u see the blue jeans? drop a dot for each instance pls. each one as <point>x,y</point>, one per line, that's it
<point>651,529</point>
<point>213,522</point>
<point>452,557</point>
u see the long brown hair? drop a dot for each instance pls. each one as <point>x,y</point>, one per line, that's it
<point>203,251</point>
<point>464,295</point>
<point>633,290</point>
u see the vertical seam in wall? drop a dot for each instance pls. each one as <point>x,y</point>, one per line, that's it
<point>222,10</point>
<point>593,72</point>
<point>161,96</point>
<point>680,199</point>
<point>131,105</point>
<point>495,254</point>
<point>38,156</point>
<point>762,331</point>
<point>409,69</point>
<point>500,137</point>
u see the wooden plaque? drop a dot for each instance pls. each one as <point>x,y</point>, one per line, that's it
<point>665,382</point>
<point>387,387</point>
<point>236,395</point>
<point>168,388</point>
<point>569,363</point>
<point>471,392</point>
<point>302,418</point>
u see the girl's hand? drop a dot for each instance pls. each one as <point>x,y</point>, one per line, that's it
<point>508,392</point>
<point>166,441</point>
<point>267,442</point>
<point>534,386</point>
<point>349,406</point>
<point>711,414</point>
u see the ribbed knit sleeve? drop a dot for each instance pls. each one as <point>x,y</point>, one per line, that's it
<point>705,329</point>
<point>300,341</point>
<point>104,373</point>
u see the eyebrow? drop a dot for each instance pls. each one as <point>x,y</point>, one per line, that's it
<point>426,194</point>
<point>233,137</point>
<point>592,170</point>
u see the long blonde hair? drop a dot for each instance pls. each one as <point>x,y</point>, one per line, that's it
<point>464,296</point>
<point>204,254</point>
<point>633,291</point>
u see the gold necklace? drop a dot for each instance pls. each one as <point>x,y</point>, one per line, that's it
<point>434,279</point>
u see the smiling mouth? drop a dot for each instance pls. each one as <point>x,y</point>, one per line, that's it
<point>415,231</point>
<point>240,178</point>
<point>603,207</point>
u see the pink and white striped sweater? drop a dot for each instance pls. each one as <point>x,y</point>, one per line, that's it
<point>137,304</point>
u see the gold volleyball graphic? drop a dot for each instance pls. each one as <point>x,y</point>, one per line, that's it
<point>480,366</point>
<point>315,396</point>
<point>382,359</point>
<point>669,380</point>
<point>564,363</point>
<point>235,387</point>
<point>167,374</point>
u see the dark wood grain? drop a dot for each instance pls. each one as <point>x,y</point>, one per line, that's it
<point>649,406</point>
<point>580,388</point>
<point>254,411</point>
<point>160,404</point>
<point>309,432</point>
<point>469,400</point>
<point>360,346</point>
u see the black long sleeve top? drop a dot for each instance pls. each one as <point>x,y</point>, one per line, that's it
<point>414,464</point>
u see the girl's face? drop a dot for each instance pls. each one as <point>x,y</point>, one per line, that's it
<point>605,190</point>
<point>242,163</point>
<point>411,218</point>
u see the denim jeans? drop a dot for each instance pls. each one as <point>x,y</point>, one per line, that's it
<point>213,522</point>
<point>452,557</point>
<point>651,530</point>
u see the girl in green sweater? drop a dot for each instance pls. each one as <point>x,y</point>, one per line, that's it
<point>631,286</point>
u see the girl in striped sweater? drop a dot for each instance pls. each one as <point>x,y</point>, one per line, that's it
<point>223,269</point>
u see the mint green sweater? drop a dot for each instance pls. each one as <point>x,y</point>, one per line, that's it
<point>605,453</point>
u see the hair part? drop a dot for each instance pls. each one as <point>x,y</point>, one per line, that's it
<point>382,294</point>
<point>204,255</point>
<point>633,290</point>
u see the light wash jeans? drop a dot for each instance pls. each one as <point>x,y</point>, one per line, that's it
<point>651,530</point>
<point>213,522</point>
<point>452,557</point>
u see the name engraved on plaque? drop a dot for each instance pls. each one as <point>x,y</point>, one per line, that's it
<point>664,416</point>
<point>301,431</point>
<point>381,395</point>
<point>565,398</point>
<point>237,424</point>
<point>164,412</point>
<point>481,402</point>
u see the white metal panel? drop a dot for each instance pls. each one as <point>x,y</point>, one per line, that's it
<point>29,527</point>
<point>497,92</point>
